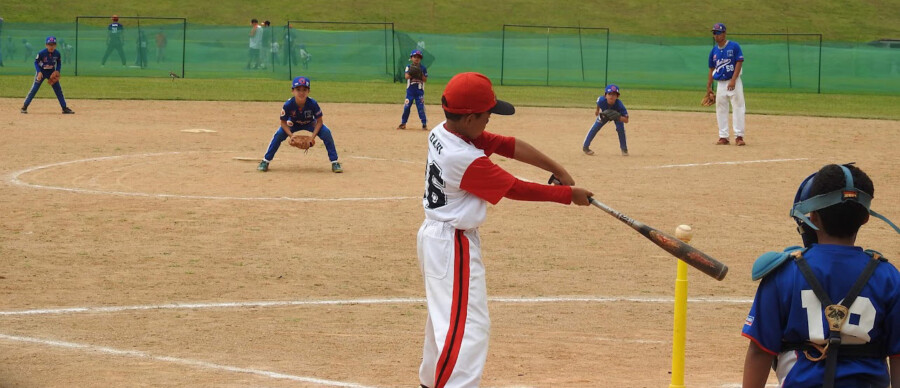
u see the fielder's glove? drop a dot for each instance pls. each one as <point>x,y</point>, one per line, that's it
<point>415,72</point>
<point>54,78</point>
<point>610,115</point>
<point>708,99</point>
<point>302,142</point>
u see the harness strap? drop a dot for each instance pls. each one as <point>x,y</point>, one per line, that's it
<point>835,314</point>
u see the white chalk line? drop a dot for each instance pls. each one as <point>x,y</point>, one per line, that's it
<point>13,179</point>
<point>277,375</point>
<point>177,360</point>
<point>726,163</point>
<point>363,301</point>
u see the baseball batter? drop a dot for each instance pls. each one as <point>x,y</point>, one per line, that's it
<point>47,65</point>
<point>460,180</point>
<point>301,113</point>
<point>725,62</point>
<point>788,323</point>
<point>415,91</point>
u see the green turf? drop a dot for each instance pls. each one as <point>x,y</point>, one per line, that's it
<point>758,102</point>
<point>836,20</point>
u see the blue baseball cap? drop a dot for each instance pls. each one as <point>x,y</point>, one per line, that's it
<point>612,88</point>
<point>719,27</point>
<point>50,39</point>
<point>415,52</point>
<point>300,81</point>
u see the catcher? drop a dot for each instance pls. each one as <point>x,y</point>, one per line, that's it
<point>302,121</point>
<point>416,76</point>
<point>47,64</point>
<point>609,108</point>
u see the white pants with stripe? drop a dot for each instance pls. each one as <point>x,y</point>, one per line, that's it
<point>736,98</point>
<point>458,325</point>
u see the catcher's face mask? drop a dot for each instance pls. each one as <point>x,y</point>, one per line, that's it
<point>804,205</point>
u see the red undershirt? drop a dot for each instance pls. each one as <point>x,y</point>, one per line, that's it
<point>491,183</point>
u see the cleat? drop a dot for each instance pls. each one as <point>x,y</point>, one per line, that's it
<point>624,152</point>
<point>722,141</point>
<point>336,167</point>
<point>401,126</point>
<point>424,127</point>
<point>739,141</point>
<point>24,110</point>
<point>263,166</point>
<point>587,151</point>
<point>67,111</point>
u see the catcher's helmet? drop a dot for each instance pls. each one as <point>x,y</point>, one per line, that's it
<point>300,81</point>
<point>416,53</point>
<point>804,205</point>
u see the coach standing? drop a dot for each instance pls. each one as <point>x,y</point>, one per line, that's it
<point>725,62</point>
<point>115,37</point>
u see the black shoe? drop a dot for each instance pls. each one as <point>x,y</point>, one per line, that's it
<point>67,111</point>
<point>24,110</point>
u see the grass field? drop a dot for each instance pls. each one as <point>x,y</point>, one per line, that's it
<point>795,104</point>
<point>835,20</point>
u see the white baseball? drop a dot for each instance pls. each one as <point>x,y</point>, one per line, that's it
<point>684,232</point>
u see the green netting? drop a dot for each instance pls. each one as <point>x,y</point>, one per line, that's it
<point>534,55</point>
<point>514,56</point>
<point>150,47</point>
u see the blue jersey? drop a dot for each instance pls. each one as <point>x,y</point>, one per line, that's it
<point>418,84</point>
<point>299,117</point>
<point>48,62</point>
<point>723,60</point>
<point>786,310</point>
<point>618,106</point>
<point>115,31</point>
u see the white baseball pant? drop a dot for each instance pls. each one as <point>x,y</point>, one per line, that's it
<point>736,98</point>
<point>458,325</point>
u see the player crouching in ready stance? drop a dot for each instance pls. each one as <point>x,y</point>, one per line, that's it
<point>301,113</point>
<point>826,314</point>
<point>460,180</point>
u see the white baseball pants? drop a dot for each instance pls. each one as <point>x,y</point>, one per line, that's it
<point>736,98</point>
<point>458,325</point>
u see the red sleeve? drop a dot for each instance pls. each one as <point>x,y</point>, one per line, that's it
<point>528,191</point>
<point>486,180</point>
<point>492,143</point>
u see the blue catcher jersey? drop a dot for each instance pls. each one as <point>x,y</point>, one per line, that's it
<point>47,61</point>
<point>787,310</point>
<point>618,106</point>
<point>299,117</point>
<point>723,60</point>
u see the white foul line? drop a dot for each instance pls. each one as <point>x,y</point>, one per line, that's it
<point>731,163</point>
<point>14,179</point>
<point>364,301</point>
<point>176,360</point>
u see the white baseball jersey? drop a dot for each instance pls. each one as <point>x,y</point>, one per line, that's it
<point>457,170</point>
<point>459,181</point>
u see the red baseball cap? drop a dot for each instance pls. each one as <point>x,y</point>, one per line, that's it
<point>473,93</point>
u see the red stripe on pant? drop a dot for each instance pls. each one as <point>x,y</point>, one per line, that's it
<point>458,311</point>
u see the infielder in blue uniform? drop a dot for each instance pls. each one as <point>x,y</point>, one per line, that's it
<point>47,64</point>
<point>725,63</point>
<point>415,91</point>
<point>115,38</point>
<point>301,113</point>
<point>609,100</point>
<point>804,290</point>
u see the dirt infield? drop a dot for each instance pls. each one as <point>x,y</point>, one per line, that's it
<point>138,255</point>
